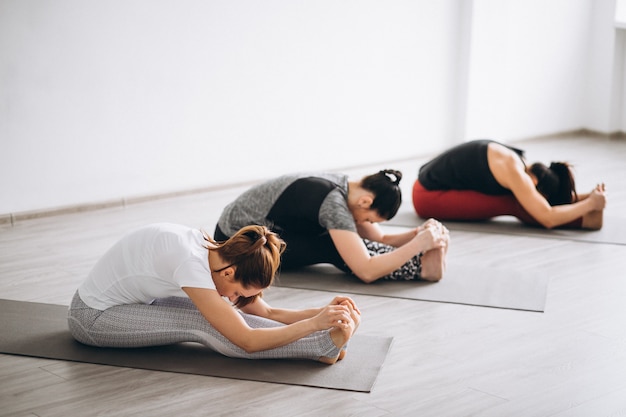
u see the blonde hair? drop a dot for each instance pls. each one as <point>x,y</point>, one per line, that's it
<point>255,251</point>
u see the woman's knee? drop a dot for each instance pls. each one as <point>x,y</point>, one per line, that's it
<point>79,332</point>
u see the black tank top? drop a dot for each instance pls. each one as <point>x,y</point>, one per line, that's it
<point>297,208</point>
<point>463,167</point>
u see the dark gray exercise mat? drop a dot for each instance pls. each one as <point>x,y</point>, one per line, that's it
<point>40,330</point>
<point>461,284</point>
<point>613,231</point>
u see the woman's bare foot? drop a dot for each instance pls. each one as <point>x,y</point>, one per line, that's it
<point>356,317</point>
<point>341,335</point>
<point>593,220</point>
<point>433,264</point>
<point>354,314</point>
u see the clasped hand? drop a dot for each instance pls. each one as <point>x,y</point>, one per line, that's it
<point>336,314</point>
<point>598,196</point>
<point>433,234</point>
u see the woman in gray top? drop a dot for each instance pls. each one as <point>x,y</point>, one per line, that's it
<point>326,218</point>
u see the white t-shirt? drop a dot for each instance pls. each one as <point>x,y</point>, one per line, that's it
<point>154,261</point>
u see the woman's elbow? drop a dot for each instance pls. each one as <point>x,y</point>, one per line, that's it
<point>248,347</point>
<point>548,224</point>
<point>250,350</point>
<point>547,220</point>
<point>366,276</point>
<point>247,343</point>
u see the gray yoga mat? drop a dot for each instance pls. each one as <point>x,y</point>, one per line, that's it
<point>40,330</point>
<point>461,284</point>
<point>613,231</point>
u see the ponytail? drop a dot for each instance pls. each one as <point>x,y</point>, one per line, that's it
<point>556,183</point>
<point>255,251</point>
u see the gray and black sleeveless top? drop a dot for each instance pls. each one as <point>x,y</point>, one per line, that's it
<point>304,203</point>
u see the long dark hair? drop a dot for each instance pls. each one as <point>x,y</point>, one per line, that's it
<point>386,189</point>
<point>555,183</point>
<point>255,251</point>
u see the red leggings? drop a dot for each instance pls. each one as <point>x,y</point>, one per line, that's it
<point>466,205</point>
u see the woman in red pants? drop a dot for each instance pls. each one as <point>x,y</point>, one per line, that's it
<point>482,179</point>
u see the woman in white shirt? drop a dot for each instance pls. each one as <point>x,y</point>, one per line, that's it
<point>165,283</point>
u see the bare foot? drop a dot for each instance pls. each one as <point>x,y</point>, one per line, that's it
<point>433,264</point>
<point>356,317</point>
<point>340,336</point>
<point>593,220</point>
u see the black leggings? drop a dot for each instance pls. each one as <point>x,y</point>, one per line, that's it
<point>305,249</point>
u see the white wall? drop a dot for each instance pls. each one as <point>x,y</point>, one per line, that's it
<point>124,98</point>
<point>601,106</point>
<point>618,90</point>
<point>530,67</point>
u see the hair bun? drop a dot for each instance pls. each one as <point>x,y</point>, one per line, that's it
<point>392,175</point>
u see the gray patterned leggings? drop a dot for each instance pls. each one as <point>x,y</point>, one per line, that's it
<point>175,320</point>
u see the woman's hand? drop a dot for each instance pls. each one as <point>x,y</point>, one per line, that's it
<point>598,197</point>
<point>332,316</point>
<point>432,235</point>
<point>342,300</point>
<point>426,224</point>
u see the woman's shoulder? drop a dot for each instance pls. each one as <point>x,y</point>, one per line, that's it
<point>171,235</point>
<point>330,179</point>
<point>505,150</point>
<point>505,154</point>
<point>506,165</point>
<point>336,177</point>
<point>286,179</point>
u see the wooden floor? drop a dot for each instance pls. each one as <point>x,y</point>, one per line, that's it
<point>446,359</point>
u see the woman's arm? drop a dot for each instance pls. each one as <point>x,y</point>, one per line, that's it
<point>283,315</point>
<point>509,170</point>
<point>373,231</point>
<point>369,268</point>
<point>524,190</point>
<point>287,316</point>
<point>229,322</point>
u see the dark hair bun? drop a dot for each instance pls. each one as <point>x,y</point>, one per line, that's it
<point>555,183</point>
<point>393,175</point>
